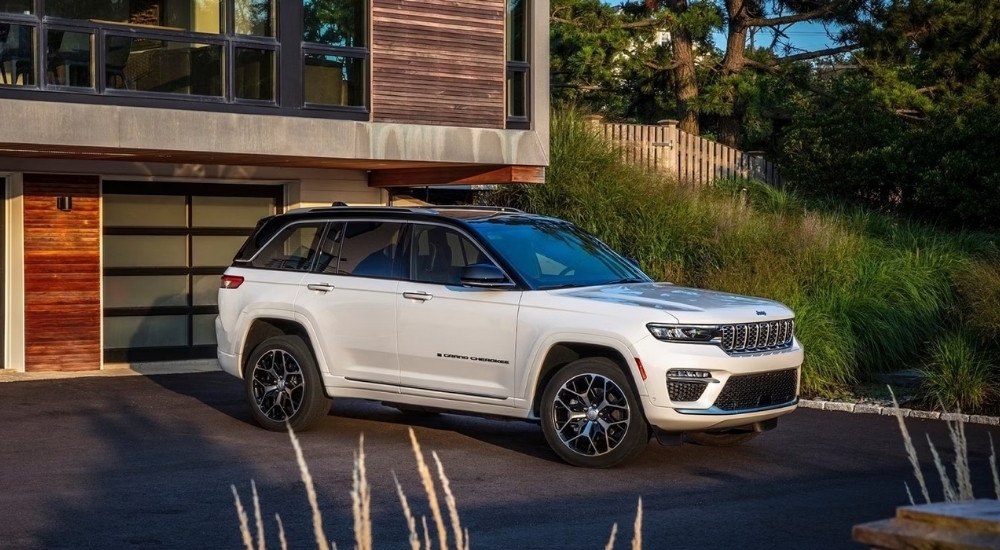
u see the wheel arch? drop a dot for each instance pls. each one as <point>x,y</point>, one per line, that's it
<point>563,353</point>
<point>265,327</point>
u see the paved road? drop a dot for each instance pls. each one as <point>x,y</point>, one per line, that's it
<point>147,462</point>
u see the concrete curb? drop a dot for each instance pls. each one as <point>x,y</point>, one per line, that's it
<point>873,408</point>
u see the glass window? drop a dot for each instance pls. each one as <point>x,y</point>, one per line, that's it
<point>70,59</point>
<point>291,249</point>
<point>17,6</point>
<point>334,80</point>
<point>335,22</point>
<point>254,77</point>
<point>165,66</point>
<point>203,330</point>
<point>229,211</point>
<point>438,255</point>
<point>254,17</point>
<point>183,15</point>
<point>145,332</point>
<point>517,30</point>
<point>371,249</point>
<point>146,291</point>
<point>518,66</point>
<point>145,251</point>
<point>17,54</point>
<point>517,93</point>
<point>211,251</point>
<point>144,211</point>
<point>554,254</point>
<point>205,290</point>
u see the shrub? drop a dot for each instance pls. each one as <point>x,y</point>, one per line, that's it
<point>957,375</point>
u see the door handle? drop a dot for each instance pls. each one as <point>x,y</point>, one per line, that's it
<point>322,287</point>
<point>422,296</point>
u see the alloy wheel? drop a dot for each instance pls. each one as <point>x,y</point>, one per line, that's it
<point>591,414</point>
<point>278,385</point>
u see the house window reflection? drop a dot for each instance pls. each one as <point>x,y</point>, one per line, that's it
<point>186,15</point>
<point>70,62</point>
<point>17,55</point>
<point>163,66</point>
<point>334,80</point>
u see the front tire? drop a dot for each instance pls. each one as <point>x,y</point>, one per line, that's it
<point>590,415</point>
<point>283,385</point>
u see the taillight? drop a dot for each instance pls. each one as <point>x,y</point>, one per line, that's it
<point>231,281</point>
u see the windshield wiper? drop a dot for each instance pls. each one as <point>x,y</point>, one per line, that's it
<point>625,280</point>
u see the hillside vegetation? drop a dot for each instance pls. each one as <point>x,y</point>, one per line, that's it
<point>871,293</point>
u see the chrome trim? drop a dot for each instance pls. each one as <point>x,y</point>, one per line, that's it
<point>715,411</point>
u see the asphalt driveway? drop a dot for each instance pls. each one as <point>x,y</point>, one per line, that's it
<point>149,461</point>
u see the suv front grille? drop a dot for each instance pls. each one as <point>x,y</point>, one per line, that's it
<point>680,390</point>
<point>756,337</point>
<point>753,391</point>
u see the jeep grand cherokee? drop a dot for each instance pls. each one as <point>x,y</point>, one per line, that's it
<point>496,312</point>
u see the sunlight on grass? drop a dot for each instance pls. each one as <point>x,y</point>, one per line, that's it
<point>361,508</point>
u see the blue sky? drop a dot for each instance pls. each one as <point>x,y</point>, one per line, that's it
<point>805,36</point>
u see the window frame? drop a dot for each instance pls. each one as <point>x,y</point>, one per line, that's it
<point>285,46</point>
<point>518,67</point>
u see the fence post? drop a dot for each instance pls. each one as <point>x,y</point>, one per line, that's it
<point>666,144</point>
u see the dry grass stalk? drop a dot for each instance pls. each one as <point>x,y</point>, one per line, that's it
<point>259,519</point>
<point>460,541</point>
<point>428,481</point>
<point>993,468</point>
<point>637,537</point>
<point>281,533</point>
<point>427,533</point>
<point>911,452</point>
<point>244,521</point>
<point>963,476</point>
<point>949,490</point>
<point>361,500</point>
<point>410,522</point>
<point>611,540</point>
<point>321,542</point>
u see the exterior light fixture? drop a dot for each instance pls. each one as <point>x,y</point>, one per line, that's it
<point>64,203</point>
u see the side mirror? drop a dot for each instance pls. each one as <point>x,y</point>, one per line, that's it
<point>485,276</point>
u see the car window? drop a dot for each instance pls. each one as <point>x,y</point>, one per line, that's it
<point>328,260</point>
<point>438,254</point>
<point>552,253</point>
<point>372,249</point>
<point>292,249</point>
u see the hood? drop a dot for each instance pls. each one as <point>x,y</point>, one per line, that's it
<point>687,305</point>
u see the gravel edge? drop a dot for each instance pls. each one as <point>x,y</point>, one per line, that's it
<point>872,408</point>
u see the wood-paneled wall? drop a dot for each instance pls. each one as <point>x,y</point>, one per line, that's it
<point>439,62</point>
<point>62,274</point>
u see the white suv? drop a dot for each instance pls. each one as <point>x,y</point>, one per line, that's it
<point>496,312</point>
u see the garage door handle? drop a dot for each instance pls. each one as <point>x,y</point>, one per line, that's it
<point>422,296</point>
<point>322,287</point>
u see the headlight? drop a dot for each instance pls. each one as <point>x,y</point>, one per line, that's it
<point>685,333</point>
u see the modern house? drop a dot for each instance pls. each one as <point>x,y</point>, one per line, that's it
<point>141,140</point>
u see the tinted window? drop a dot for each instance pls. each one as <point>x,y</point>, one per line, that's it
<point>372,249</point>
<point>438,254</point>
<point>292,249</point>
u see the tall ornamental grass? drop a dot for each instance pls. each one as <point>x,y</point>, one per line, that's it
<point>871,293</point>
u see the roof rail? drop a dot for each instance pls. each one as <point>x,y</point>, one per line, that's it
<point>469,207</point>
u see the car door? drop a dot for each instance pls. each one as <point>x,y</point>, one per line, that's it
<point>349,298</point>
<point>454,341</point>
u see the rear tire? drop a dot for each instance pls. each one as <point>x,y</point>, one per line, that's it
<point>590,415</point>
<point>721,439</point>
<point>283,385</point>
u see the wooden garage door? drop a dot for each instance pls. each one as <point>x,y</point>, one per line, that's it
<point>62,273</point>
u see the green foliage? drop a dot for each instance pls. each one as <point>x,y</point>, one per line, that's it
<point>871,293</point>
<point>957,375</point>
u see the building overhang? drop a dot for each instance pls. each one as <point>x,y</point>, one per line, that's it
<point>393,154</point>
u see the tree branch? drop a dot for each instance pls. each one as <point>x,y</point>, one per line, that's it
<point>818,53</point>
<point>817,13</point>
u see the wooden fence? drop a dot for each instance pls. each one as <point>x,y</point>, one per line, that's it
<point>692,159</point>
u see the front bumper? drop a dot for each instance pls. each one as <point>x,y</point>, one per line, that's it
<point>704,410</point>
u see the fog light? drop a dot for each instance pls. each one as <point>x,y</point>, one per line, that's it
<point>685,374</point>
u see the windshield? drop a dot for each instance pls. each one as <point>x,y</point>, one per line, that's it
<point>551,253</point>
